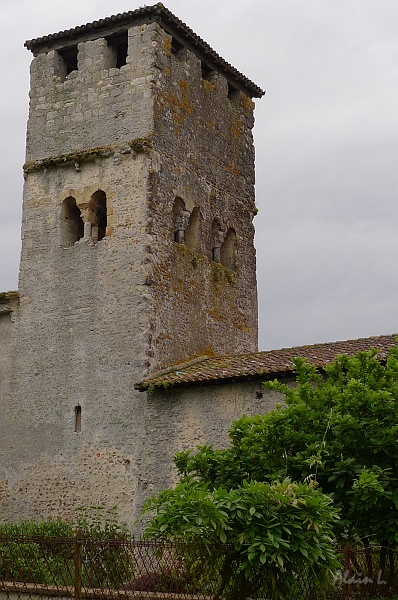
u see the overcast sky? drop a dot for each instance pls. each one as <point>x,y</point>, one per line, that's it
<point>326,149</point>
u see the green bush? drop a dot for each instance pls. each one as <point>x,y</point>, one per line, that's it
<point>45,552</point>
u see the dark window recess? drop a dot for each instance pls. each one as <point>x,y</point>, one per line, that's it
<point>98,214</point>
<point>72,228</point>
<point>227,250</point>
<point>192,230</point>
<point>176,46</point>
<point>206,70</point>
<point>119,45</point>
<point>69,56</point>
<point>78,418</point>
<point>180,220</point>
<point>233,92</point>
<point>217,238</point>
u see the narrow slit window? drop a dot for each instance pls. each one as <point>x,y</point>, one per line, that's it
<point>78,418</point>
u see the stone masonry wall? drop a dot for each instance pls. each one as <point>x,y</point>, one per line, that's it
<point>202,153</point>
<point>82,339</point>
<point>183,418</point>
<point>82,332</point>
<point>7,320</point>
<point>95,106</point>
<point>96,317</point>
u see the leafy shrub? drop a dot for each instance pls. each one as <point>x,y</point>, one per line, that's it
<point>45,551</point>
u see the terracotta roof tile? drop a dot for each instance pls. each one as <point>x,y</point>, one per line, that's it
<point>272,362</point>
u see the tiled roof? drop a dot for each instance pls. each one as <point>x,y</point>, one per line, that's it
<point>147,14</point>
<point>272,362</point>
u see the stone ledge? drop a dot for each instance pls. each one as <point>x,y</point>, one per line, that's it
<point>139,145</point>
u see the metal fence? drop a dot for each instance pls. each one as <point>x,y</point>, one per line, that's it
<point>43,568</point>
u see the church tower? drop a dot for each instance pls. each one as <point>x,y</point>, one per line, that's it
<point>137,250</point>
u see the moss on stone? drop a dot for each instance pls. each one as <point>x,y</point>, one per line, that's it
<point>138,145</point>
<point>8,296</point>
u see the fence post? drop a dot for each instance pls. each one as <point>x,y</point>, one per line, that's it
<point>77,581</point>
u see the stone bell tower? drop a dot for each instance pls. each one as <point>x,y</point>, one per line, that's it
<point>137,248</point>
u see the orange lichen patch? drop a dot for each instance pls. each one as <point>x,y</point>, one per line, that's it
<point>231,169</point>
<point>208,85</point>
<point>167,46</point>
<point>181,106</point>
<point>237,128</point>
<point>247,102</point>
<point>182,103</point>
<point>210,124</point>
<point>216,314</point>
<point>183,85</point>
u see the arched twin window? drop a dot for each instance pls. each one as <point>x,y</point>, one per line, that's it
<point>186,230</point>
<point>89,221</point>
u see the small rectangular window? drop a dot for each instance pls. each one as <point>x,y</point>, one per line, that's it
<point>233,92</point>
<point>119,46</point>
<point>69,59</point>
<point>207,71</point>
<point>176,46</point>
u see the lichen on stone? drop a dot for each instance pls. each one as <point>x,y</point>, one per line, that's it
<point>138,145</point>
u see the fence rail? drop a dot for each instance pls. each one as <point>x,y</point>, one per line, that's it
<point>36,568</point>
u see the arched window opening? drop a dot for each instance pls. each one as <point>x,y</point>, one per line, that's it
<point>97,215</point>
<point>192,232</point>
<point>72,227</point>
<point>227,251</point>
<point>217,239</point>
<point>180,220</point>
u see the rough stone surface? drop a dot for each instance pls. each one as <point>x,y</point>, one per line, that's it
<point>96,317</point>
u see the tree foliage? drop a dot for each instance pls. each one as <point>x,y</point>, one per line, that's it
<point>273,532</point>
<point>338,429</point>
